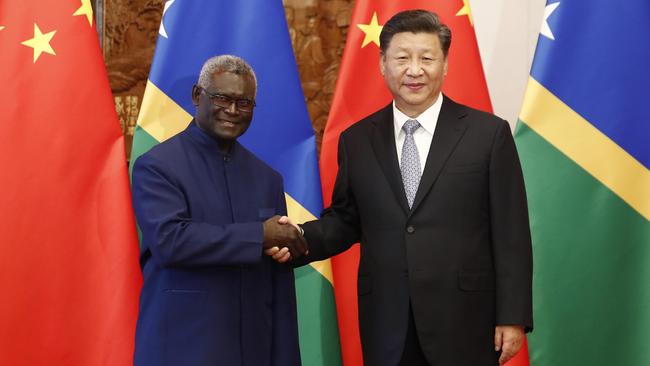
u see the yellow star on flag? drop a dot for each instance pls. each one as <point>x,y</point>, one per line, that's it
<point>465,10</point>
<point>371,30</point>
<point>2,27</point>
<point>40,43</point>
<point>85,9</point>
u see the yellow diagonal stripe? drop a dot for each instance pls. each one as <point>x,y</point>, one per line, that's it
<point>587,146</point>
<point>299,214</point>
<point>160,115</point>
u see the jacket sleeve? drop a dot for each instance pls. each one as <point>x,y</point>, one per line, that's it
<point>173,237</point>
<point>339,225</point>
<point>511,241</point>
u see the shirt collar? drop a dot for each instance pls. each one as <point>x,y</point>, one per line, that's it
<point>427,119</point>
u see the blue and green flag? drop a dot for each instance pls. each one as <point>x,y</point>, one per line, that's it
<point>584,141</point>
<point>280,134</point>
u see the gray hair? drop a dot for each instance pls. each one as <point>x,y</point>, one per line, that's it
<point>225,63</point>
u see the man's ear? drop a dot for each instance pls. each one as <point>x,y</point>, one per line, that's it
<point>196,93</point>
<point>445,67</point>
<point>382,63</point>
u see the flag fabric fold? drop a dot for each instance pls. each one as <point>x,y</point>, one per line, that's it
<point>583,137</point>
<point>68,243</point>
<point>280,133</point>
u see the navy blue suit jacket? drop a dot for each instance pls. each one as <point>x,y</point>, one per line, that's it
<point>210,295</point>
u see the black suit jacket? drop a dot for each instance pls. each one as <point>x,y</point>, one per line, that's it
<point>461,256</point>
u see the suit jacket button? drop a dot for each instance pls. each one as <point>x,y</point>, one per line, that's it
<point>410,229</point>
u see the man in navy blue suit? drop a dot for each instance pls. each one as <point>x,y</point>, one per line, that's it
<point>208,208</point>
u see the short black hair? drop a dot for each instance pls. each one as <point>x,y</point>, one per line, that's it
<point>415,21</point>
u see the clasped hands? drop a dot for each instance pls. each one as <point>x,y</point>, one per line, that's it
<point>283,240</point>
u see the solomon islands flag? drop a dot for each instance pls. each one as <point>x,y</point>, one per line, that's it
<point>584,141</point>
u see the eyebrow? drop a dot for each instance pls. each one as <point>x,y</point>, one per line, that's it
<point>417,47</point>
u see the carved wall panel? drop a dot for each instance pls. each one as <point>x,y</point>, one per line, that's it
<point>317,28</point>
<point>128,42</point>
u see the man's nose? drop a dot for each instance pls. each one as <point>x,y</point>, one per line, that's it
<point>414,68</point>
<point>232,108</point>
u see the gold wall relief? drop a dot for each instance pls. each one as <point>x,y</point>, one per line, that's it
<point>127,108</point>
<point>129,29</point>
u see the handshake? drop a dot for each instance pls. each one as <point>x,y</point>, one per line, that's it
<point>283,239</point>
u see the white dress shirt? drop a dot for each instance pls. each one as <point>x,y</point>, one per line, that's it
<point>423,135</point>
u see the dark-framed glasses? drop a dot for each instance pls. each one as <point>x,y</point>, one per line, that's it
<point>224,101</point>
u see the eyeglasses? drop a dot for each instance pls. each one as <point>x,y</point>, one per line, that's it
<point>224,101</point>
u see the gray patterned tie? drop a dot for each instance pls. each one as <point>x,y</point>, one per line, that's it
<point>410,167</point>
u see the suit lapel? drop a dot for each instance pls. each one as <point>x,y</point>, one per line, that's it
<point>449,129</point>
<point>383,144</point>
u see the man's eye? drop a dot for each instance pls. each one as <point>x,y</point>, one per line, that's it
<point>222,98</point>
<point>244,102</point>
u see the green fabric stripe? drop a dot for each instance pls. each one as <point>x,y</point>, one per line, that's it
<point>317,323</point>
<point>142,142</point>
<point>591,264</point>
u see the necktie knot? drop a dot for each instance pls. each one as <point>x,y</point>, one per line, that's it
<point>410,126</point>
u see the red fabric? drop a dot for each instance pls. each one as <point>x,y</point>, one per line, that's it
<point>361,91</point>
<point>68,243</point>
<point>521,359</point>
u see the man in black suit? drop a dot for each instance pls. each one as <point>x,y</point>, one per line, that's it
<point>433,191</point>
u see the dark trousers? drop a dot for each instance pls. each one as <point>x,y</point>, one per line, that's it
<point>412,355</point>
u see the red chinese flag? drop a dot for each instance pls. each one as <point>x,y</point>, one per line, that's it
<point>361,91</point>
<point>68,244</point>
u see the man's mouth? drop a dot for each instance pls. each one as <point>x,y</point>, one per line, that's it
<point>414,86</point>
<point>228,124</point>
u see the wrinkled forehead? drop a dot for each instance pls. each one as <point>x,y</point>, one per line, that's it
<point>228,82</point>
